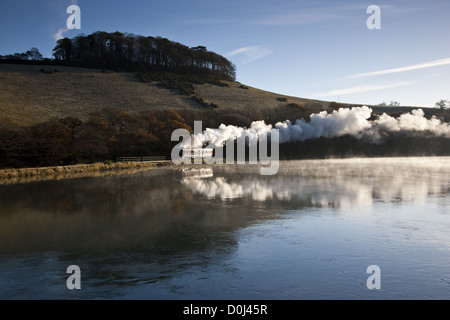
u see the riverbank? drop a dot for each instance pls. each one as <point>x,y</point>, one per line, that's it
<point>74,171</point>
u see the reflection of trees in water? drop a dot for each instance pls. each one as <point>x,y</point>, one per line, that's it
<point>132,213</point>
<point>107,195</point>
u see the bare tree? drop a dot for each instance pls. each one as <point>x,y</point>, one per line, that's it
<point>113,117</point>
<point>443,104</point>
<point>34,54</point>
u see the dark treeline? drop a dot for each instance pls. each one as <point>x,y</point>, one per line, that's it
<point>30,55</point>
<point>139,53</point>
<point>396,145</point>
<point>111,133</point>
<point>107,134</point>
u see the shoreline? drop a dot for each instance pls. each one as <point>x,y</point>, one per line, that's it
<point>100,169</point>
<point>22,175</point>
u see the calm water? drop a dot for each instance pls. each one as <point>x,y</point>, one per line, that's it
<point>309,232</point>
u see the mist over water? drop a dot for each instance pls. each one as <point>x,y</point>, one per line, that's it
<point>335,182</point>
<point>355,122</point>
<point>323,193</point>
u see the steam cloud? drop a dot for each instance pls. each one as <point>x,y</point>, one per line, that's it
<point>345,121</point>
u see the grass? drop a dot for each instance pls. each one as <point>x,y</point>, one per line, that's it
<point>29,96</point>
<point>26,97</point>
<point>169,81</point>
<point>8,175</point>
<point>294,105</point>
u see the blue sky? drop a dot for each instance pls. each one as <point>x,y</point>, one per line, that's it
<point>313,49</point>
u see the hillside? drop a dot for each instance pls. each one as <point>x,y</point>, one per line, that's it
<point>29,96</point>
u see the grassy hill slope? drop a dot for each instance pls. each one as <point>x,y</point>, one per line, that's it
<point>31,94</point>
<point>28,96</point>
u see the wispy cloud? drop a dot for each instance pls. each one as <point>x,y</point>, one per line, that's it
<point>336,13</point>
<point>407,9</point>
<point>59,34</point>
<point>206,21</point>
<point>248,54</point>
<point>314,15</point>
<point>301,18</point>
<point>434,63</point>
<point>366,88</point>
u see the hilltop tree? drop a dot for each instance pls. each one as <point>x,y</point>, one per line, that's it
<point>34,54</point>
<point>63,49</point>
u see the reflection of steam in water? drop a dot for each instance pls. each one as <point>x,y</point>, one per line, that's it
<point>340,190</point>
<point>319,193</point>
<point>197,173</point>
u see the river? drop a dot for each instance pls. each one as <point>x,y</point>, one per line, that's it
<point>226,232</point>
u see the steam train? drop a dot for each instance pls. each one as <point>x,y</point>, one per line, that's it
<point>197,153</point>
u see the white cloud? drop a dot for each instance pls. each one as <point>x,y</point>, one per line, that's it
<point>59,34</point>
<point>367,88</point>
<point>434,63</point>
<point>248,54</point>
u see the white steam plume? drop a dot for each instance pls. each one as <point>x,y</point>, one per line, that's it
<point>217,137</point>
<point>345,121</point>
